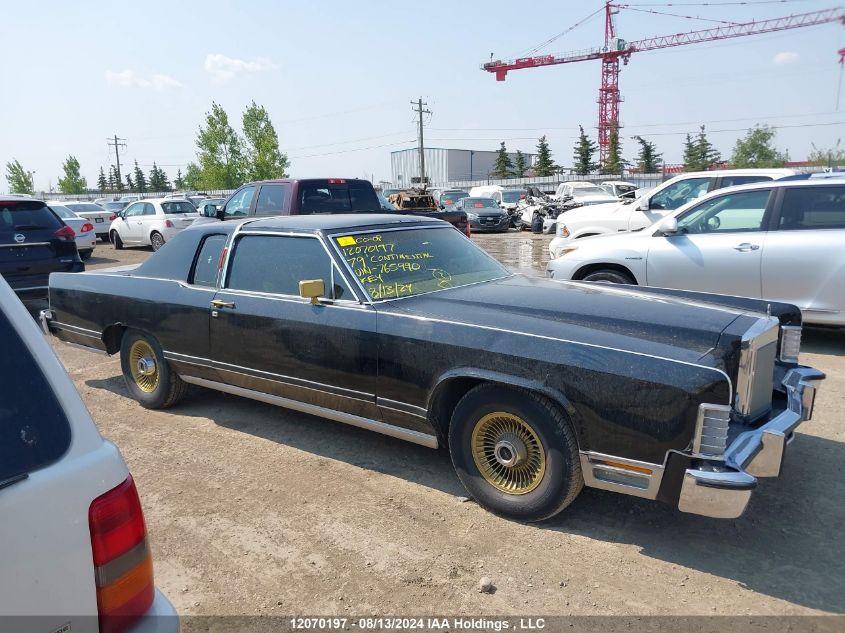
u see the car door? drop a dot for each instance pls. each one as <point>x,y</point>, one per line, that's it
<point>131,223</point>
<point>239,204</point>
<point>803,255</point>
<point>268,339</point>
<point>273,199</point>
<point>649,211</point>
<point>148,221</point>
<point>717,247</point>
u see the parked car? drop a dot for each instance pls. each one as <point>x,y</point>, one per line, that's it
<point>484,214</point>
<point>73,533</point>
<point>86,238</point>
<point>652,205</point>
<point>403,326</point>
<point>484,191</point>
<point>620,188</point>
<point>34,242</point>
<point>100,217</point>
<point>327,195</point>
<point>779,241</point>
<point>151,222</point>
<point>448,199</point>
<point>508,198</point>
<point>584,193</point>
<point>214,202</point>
<point>129,198</point>
<point>114,208</point>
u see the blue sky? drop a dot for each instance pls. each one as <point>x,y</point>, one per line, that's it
<point>337,78</point>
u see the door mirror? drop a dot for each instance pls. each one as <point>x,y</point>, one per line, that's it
<point>669,226</point>
<point>220,212</point>
<point>312,289</point>
<point>210,210</point>
<point>643,205</point>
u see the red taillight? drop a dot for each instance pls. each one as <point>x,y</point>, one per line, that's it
<point>123,566</point>
<point>113,217</point>
<point>336,181</point>
<point>86,227</point>
<point>65,233</point>
<point>168,224</point>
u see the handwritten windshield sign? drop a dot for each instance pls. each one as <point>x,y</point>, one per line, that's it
<point>395,264</point>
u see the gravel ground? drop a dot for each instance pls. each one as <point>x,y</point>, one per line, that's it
<point>255,510</point>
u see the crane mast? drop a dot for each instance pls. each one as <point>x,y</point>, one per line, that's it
<point>616,50</point>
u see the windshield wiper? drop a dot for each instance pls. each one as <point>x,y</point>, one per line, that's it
<point>11,481</point>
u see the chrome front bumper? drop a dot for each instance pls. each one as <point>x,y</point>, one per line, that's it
<point>724,491</point>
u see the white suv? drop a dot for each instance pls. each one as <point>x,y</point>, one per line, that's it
<point>779,241</point>
<point>651,206</point>
<point>74,543</point>
<point>151,222</point>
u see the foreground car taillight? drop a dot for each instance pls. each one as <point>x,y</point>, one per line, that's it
<point>123,567</point>
<point>87,227</point>
<point>65,233</point>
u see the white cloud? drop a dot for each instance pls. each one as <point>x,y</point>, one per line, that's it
<point>222,68</point>
<point>129,79</point>
<point>784,58</point>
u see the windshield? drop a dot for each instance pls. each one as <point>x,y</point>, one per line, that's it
<point>85,206</point>
<point>408,262</point>
<point>181,206</point>
<point>451,197</point>
<point>512,196</point>
<point>578,192</point>
<point>62,212</point>
<point>114,206</point>
<point>480,203</point>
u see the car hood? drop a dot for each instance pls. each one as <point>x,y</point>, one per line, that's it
<point>606,315</point>
<point>595,199</point>
<point>594,210</point>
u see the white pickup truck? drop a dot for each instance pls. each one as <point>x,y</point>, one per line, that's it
<point>652,205</point>
<point>75,555</point>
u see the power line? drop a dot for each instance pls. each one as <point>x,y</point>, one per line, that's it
<point>419,110</point>
<point>117,143</point>
<point>708,4</point>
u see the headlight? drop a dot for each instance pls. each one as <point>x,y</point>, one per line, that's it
<point>562,231</point>
<point>472,216</point>
<point>790,343</point>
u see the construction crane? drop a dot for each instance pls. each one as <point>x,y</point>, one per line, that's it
<point>616,49</point>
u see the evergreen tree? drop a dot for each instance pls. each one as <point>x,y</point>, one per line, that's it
<point>219,152</point>
<point>690,155</point>
<point>158,179</point>
<point>585,149</point>
<point>699,153</point>
<point>503,167</point>
<point>72,182</point>
<point>544,165</point>
<point>20,180</point>
<point>757,149</point>
<point>519,165</point>
<point>140,179</point>
<point>648,160</point>
<point>264,160</point>
<point>615,164</point>
<point>102,182</point>
<point>129,183</point>
<point>178,182</point>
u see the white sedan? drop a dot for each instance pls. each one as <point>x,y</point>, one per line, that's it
<point>151,222</point>
<point>86,237</point>
<point>779,240</point>
<point>99,216</point>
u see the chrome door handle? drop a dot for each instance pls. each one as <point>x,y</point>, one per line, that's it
<point>219,303</point>
<point>745,247</point>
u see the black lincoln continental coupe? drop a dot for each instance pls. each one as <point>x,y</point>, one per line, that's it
<point>402,325</point>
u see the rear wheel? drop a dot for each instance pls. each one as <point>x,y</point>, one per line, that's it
<point>609,276</point>
<point>515,452</point>
<point>148,376</point>
<point>86,254</point>
<point>115,239</point>
<point>157,240</point>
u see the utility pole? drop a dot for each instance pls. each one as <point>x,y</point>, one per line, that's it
<point>117,143</point>
<point>418,108</point>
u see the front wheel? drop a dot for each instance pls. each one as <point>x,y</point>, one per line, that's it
<point>148,377</point>
<point>156,240</point>
<point>515,452</point>
<point>115,238</point>
<point>609,277</point>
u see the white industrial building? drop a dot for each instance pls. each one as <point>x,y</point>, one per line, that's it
<point>445,165</point>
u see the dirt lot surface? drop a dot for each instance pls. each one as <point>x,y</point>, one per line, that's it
<point>253,509</point>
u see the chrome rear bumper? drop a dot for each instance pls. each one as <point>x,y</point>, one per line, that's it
<point>724,491</point>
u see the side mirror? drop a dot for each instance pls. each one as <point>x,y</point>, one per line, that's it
<point>669,226</point>
<point>643,205</point>
<point>209,210</point>
<point>312,289</point>
<point>220,212</point>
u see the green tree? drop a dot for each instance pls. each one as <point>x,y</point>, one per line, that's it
<point>264,160</point>
<point>648,160</point>
<point>178,182</point>
<point>129,183</point>
<point>585,149</point>
<point>828,157</point>
<point>544,165</point>
<point>699,153</point>
<point>140,179</point>
<point>193,177</point>
<point>219,152</point>
<point>519,165</point>
<point>757,149</point>
<point>20,180</point>
<point>158,180</point>
<point>102,181</point>
<point>614,164</point>
<point>503,167</point>
<point>72,181</point>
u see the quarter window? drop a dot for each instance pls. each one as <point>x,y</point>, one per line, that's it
<point>208,261</point>
<point>266,263</point>
<point>731,213</point>
<point>271,199</point>
<point>809,208</point>
<point>240,202</point>
<point>679,193</point>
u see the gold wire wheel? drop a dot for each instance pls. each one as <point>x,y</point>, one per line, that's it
<point>143,366</point>
<point>508,453</point>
